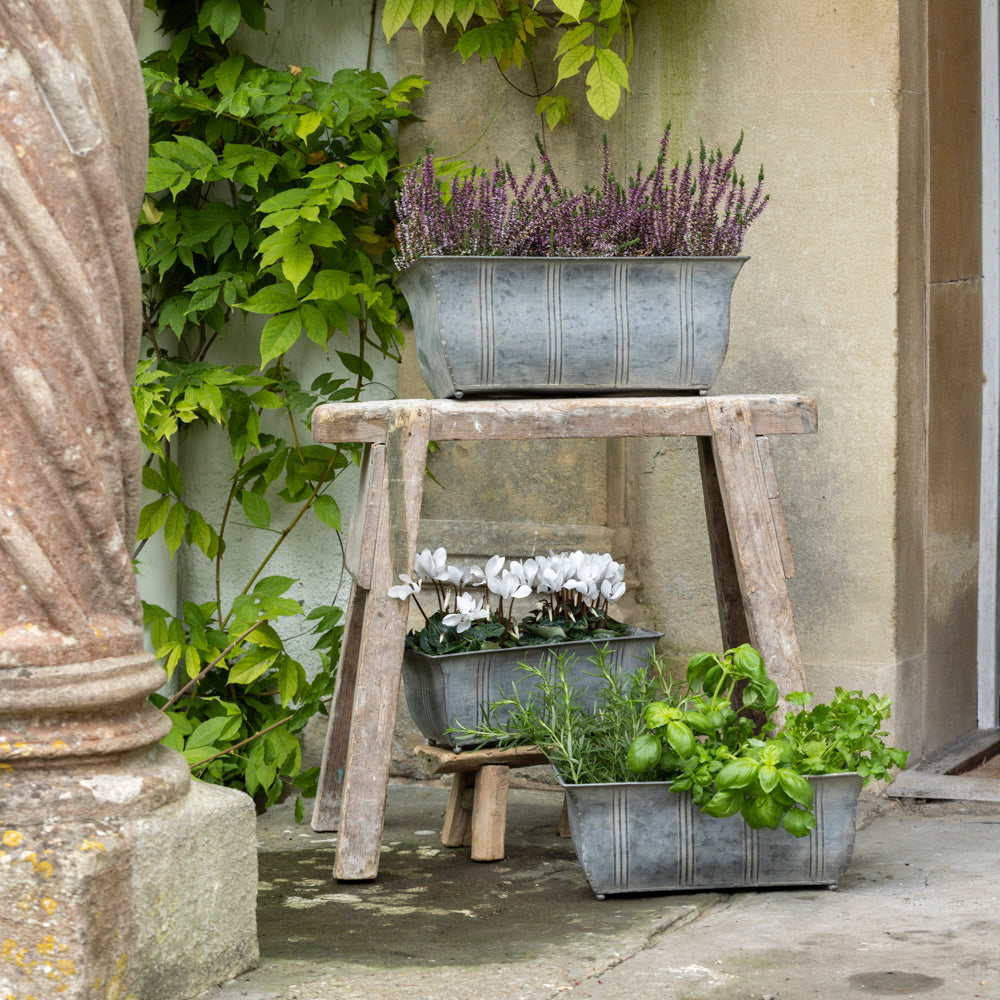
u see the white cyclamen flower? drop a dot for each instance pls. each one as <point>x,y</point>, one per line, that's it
<point>468,610</point>
<point>432,565</point>
<point>406,588</point>
<point>508,584</point>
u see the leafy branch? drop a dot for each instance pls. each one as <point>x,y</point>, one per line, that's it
<point>507,31</point>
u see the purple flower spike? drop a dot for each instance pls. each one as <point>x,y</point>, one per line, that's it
<point>702,210</point>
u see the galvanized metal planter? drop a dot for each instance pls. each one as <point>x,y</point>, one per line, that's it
<point>641,837</point>
<point>559,325</point>
<point>444,690</point>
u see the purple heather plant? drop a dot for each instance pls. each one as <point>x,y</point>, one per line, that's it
<point>702,210</point>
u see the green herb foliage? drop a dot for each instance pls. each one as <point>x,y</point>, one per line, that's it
<point>585,746</point>
<point>703,737</point>
<point>268,194</point>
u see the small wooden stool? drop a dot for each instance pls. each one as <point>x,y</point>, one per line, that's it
<point>476,814</point>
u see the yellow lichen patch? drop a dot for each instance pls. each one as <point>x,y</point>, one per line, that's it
<point>91,845</point>
<point>49,905</point>
<point>43,868</point>
<point>60,745</point>
<point>6,767</point>
<point>12,838</point>
<point>47,945</point>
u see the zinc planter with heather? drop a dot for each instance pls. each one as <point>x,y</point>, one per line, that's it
<point>450,691</point>
<point>641,837</point>
<point>493,326</point>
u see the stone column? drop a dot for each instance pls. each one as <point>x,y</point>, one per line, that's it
<point>103,839</point>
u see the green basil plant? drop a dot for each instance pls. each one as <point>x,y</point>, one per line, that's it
<point>714,735</point>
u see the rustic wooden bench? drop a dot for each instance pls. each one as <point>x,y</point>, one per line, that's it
<point>750,554</point>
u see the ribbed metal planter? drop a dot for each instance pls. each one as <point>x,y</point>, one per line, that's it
<point>641,837</point>
<point>444,690</point>
<point>492,326</point>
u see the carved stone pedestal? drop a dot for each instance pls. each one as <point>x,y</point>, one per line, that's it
<point>118,877</point>
<point>123,879</point>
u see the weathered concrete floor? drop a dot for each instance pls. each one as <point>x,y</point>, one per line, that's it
<point>917,915</point>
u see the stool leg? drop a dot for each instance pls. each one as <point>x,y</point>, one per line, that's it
<point>457,829</point>
<point>562,827</point>
<point>489,813</point>
<point>754,539</point>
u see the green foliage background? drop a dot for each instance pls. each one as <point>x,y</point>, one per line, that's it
<point>268,194</point>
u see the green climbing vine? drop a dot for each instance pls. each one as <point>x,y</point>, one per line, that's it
<point>268,195</point>
<point>508,30</point>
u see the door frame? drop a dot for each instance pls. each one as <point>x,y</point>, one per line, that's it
<point>989,504</point>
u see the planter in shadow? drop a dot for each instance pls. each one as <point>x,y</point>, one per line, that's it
<point>569,325</point>
<point>641,837</point>
<point>445,691</point>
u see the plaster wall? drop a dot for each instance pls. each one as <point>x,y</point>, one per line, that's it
<point>815,89</point>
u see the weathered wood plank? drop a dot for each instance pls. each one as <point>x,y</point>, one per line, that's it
<point>326,809</point>
<point>966,754</point>
<point>754,540</point>
<point>523,419</point>
<point>439,760</point>
<point>777,511</point>
<point>366,770</point>
<point>954,787</point>
<point>489,813</point>
<point>359,552</point>
<point>732,613</point>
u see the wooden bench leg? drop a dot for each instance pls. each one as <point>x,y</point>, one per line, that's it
<point>489,813</point>
<point>373,715</point>
<point>457,829</point>
<point>755,552</point>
